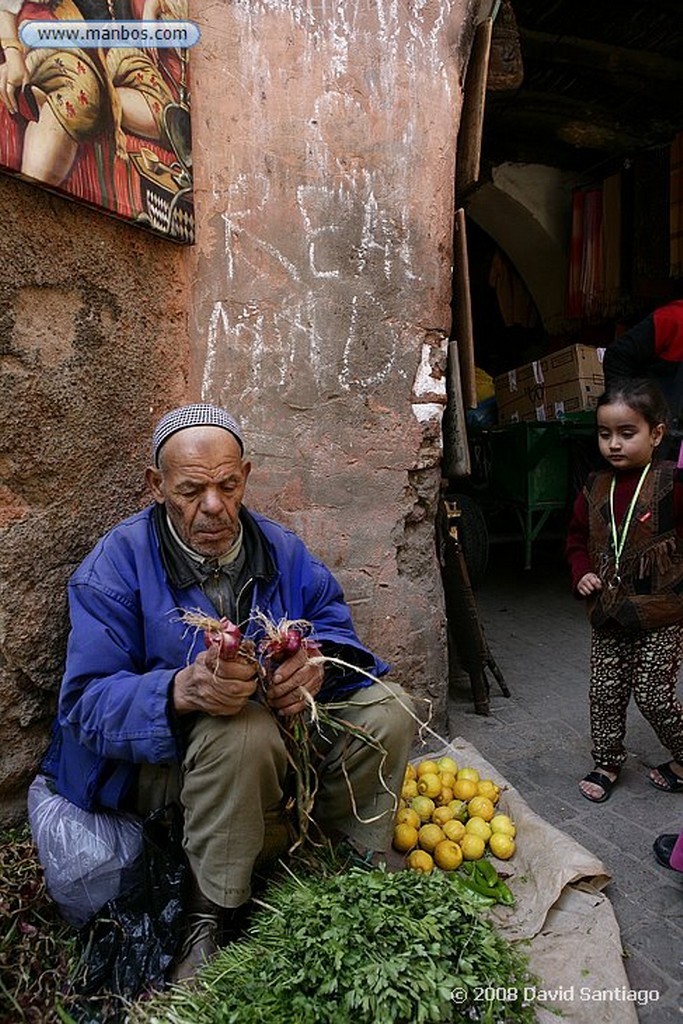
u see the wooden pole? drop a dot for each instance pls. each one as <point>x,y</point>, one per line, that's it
<point>462,320</point>
<point>472,117</point>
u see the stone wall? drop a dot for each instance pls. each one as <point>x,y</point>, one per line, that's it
<point>324,145</point>
<point>93,328</point>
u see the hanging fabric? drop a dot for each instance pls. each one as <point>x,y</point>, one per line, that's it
<point>574,296</point>
<point>611,246</point>
<point>594,288</point>
<point>514,301</point>
<point>592,269</point>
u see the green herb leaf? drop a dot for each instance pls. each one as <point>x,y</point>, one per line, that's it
<point>368,946</point>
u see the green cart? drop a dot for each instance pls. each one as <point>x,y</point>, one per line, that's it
<point>529,469</point>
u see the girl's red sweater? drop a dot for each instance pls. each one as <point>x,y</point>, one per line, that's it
<point>577,535</point>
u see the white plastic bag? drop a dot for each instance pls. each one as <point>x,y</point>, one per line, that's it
<point>83,854</point>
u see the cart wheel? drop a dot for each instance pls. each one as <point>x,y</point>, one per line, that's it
<point>473,535</point>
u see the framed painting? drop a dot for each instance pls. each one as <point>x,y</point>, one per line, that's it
<point>95,105</point>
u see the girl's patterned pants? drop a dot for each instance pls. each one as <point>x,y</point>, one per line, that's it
<point>644,663</point>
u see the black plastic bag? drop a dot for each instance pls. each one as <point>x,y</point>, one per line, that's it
<point>131,942</point>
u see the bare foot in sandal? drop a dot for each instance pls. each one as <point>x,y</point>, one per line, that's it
<point>597,785</point>
<point>668,776</point>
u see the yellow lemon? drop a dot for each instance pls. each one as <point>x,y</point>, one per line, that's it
<point>429,835</point>
<point>454,830</point>
<point>407,816</point>
<point>423,807</point>
<point>409,789</point>
<point>487,787</point>
<point>447,855</point>
<point>447,764</point>
<point>404,838</point>
<point>478,827</point>
<point>441,815</point>
<point>472,847</point>
<point>444,797</point>
<point>410,772</point>
<point>468,773</point>
<point>502,846</point>
<point>459,808</point>
<point>464,789</point>
<point>447,780</point>
<point>420,860</point>
<point>429,784</point>
<point>427,768</point>
<point>480,807</point>
<point>503,824</point>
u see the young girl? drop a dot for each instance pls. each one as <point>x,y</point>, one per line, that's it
<point>625,549</point>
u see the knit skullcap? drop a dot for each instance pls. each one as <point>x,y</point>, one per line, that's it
<point>197,415</point>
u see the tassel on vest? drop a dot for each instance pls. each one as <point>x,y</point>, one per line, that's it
<point>659,558</point>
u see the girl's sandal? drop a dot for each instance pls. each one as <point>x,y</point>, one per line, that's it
<point>673,782</point>
<point>598,778</point>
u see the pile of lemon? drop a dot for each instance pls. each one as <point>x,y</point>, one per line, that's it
<point>448,814</point>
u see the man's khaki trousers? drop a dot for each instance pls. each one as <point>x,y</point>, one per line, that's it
<point>232,785</point>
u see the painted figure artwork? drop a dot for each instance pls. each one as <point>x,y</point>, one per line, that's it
<point>108,125</point>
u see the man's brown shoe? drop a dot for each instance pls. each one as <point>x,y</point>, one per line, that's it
<point>200,944</point>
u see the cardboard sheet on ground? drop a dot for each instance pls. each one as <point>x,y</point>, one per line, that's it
<point>574,940</point>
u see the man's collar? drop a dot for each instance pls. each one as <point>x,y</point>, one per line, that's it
<point>183,571</point>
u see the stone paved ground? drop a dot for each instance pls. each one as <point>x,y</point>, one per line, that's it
<point>538,738</point>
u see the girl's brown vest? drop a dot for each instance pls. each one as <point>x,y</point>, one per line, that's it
<point>648,591</point>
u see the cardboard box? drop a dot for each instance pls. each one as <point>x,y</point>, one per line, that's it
<point>567,381</point>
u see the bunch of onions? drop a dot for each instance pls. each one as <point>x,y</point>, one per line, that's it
<point>225,636</point>
<point>281,640</point>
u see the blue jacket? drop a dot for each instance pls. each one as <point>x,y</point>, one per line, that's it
<point>127,643</point>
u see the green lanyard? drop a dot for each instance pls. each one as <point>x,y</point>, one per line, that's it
<point>619,541</point>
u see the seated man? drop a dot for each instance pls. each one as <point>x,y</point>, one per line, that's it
<point>147,716</point>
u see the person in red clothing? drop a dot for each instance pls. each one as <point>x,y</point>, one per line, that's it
<point>625,550</point>
<point>652,348</point>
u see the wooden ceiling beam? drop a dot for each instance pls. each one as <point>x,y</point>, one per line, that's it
<point>602,57</point>
<point>569,124</point>
<point>558,105</point>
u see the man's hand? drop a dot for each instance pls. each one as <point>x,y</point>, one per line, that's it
<point>295,675</point>
<point>214,686</point>
<point>588,584</point>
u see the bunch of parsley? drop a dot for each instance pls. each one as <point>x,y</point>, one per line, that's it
<point>365,946</point>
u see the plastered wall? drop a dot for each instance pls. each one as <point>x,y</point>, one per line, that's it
<point>321,284</point>
<point>93,335</point>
